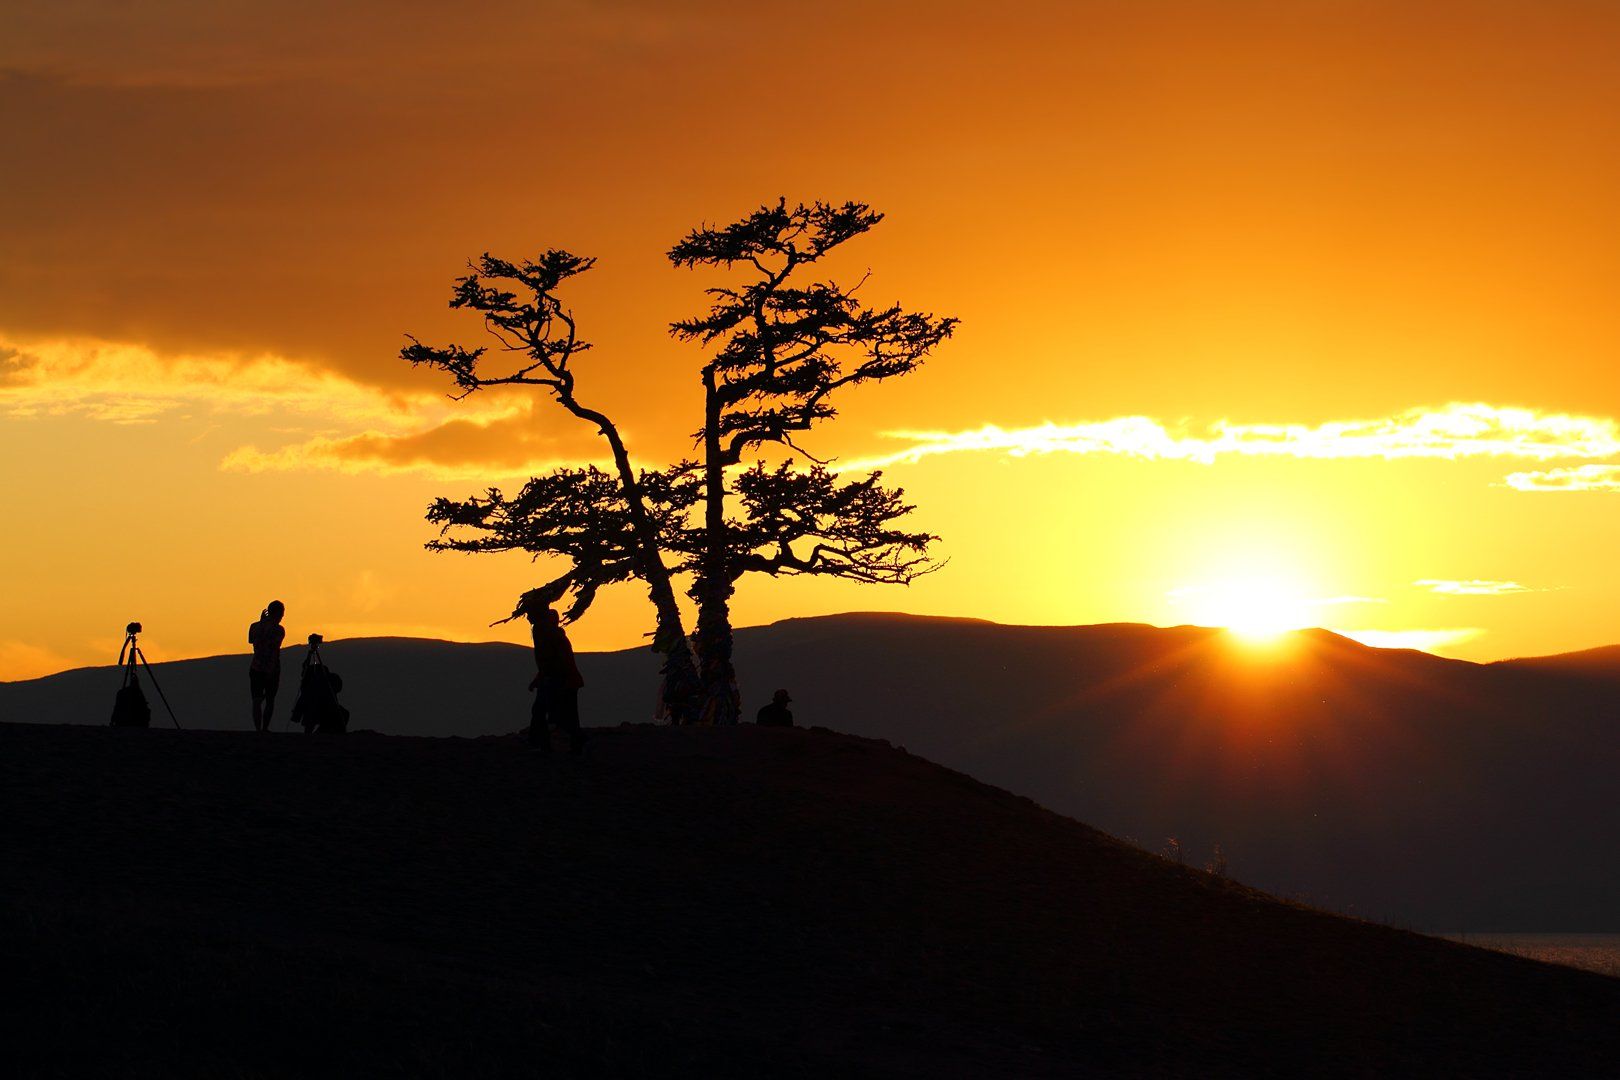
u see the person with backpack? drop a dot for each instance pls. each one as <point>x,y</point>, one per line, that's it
<point>556,683</point>
<point>264,670</point>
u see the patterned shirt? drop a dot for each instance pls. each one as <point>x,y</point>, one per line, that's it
<point>266,638</point>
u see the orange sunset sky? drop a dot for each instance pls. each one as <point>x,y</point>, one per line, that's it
<point>1303,308</point>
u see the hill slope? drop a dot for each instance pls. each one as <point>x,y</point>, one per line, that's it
<point>686,902</point>
<point>1388,783</point>
<point>1601,663</point>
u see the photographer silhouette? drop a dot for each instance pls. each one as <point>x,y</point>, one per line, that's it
<point>317,707</point>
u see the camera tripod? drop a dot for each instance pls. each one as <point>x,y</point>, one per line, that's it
<point>132,649</point>
<point>317,707</point>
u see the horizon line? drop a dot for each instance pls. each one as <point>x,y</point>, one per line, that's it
<point>1345,635</point>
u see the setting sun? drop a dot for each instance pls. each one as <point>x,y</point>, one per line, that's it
<point>1257,608</point>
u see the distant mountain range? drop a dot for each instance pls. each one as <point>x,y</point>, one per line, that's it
<point>1386,783</point>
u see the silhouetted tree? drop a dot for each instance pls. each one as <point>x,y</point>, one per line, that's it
<point>608,526</point>
<point>579,514</point>
<point>780,347</point>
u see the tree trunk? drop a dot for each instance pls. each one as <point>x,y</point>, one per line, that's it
<point>670,628</point>
<point>713,587</point>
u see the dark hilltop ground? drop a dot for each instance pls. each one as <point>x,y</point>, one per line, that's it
<point>698,902</point>
<point>1382,783</point>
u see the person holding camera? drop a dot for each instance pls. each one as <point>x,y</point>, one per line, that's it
<point>264,671</point>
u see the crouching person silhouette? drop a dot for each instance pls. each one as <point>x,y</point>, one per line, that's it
<point>317,707</point>
<point>556,683</point>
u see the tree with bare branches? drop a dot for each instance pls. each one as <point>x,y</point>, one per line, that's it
<point>780,347</point>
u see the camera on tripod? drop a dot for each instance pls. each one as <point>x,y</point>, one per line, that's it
<point>317,707</point>
<point>130,708</point>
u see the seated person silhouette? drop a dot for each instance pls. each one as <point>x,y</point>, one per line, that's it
<point>556,683</point>
<point>775,714</point>
<point>264,670</point>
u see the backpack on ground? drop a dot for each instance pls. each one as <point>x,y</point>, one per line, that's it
<point>130,708</point>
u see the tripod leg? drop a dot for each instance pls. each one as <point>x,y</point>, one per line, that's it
<point>126,660</point>
<point>156,687</point>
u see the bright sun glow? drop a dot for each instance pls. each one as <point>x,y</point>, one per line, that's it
<point>1257,608</point>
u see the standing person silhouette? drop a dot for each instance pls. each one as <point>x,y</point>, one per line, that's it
<point>556,683</point>
<point>264,672</point>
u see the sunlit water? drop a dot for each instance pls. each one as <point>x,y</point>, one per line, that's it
<point>1594,952</point>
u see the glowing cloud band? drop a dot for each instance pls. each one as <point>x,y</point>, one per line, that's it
<point>1449,432</point>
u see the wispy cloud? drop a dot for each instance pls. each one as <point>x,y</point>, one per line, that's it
<point>355,427</point>
<point>1427,640</point>
<point>1473,587</point>
<point>1448,432</point>
<point>127,383</point>
<point>1572,478</point>
<point>515,443</point>
<point>338,424</point>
